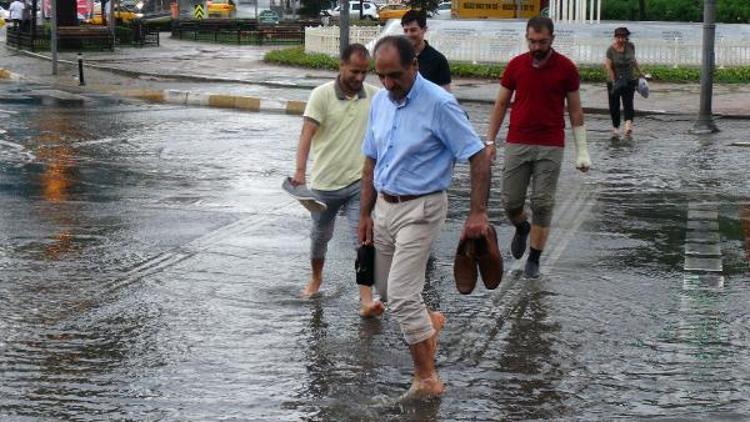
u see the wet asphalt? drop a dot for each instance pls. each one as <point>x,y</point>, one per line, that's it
<point>150,268</point>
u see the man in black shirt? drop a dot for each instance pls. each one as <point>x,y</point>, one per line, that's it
<point>433,66</point>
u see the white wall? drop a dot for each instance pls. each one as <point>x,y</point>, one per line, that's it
<point>488,41</point>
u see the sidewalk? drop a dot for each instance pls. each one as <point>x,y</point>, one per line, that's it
<point>240,70</point>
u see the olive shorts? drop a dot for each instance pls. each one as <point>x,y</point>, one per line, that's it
<point>535,165</point>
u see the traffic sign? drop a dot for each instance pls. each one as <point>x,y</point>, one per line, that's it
<point>198,12</point>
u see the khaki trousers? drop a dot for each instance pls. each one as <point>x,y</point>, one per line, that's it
<point>403,235</point>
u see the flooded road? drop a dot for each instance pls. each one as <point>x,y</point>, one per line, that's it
<point>150,268</point>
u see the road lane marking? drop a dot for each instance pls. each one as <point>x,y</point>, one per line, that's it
<point>703,266</point>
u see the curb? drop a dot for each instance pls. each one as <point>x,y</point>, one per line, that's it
<point>177,97</point>
<point>238,102</point>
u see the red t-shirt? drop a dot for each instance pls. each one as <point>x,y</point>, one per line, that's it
<point>537,115</point>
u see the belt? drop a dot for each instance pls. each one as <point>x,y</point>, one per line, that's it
<point>395,199</point>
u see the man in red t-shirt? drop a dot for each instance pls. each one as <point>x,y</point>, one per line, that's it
<point>543,80</point>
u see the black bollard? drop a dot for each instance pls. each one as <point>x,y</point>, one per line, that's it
<point>81,81</point>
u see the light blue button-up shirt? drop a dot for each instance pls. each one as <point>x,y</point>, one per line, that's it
<point>416,143</point>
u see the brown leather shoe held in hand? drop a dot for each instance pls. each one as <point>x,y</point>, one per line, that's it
<point>489,259</point>
<point>465,266</point>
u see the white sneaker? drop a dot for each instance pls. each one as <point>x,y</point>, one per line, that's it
<point>304,196</point>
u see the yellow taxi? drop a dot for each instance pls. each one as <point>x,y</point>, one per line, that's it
<point>126,12</point>
<point>220,8</point>
<point>392,11</point>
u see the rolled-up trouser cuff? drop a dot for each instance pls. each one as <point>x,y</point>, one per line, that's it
<point>419,336</point>
<point>413,318</point>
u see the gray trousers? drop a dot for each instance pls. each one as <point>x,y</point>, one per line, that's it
<point>535,165</point>
<point>403,236</point>
<point>344,200</point>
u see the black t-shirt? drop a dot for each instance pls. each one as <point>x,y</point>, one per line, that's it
<point>433,66</point>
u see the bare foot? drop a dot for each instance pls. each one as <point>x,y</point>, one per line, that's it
<point>312,288</point>
<point>425,389</point>
<point>372,309</point>
<point>628,128</point>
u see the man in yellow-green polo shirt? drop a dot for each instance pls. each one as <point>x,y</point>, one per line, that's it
<point>334,125</point>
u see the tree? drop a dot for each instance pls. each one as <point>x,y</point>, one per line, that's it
<point>312,7</point>
<point>427,5</point>
<point>727,11</point>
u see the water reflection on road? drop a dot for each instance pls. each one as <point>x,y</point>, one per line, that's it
<point>150,266</point>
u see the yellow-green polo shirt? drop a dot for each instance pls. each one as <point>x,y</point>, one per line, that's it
<point>337,144</point>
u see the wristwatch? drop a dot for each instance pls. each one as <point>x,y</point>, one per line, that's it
<point>488,143</point>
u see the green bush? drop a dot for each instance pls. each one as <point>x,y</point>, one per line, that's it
<point>727,11</point>
<point>123,34</point>
<point>297,57</point>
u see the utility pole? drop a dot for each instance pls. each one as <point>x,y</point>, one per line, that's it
<point>705,122</point>
<point>53,35</point>
<point>111,17</point>
<point>343,25</point>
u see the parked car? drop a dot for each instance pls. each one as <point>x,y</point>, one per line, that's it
<point>392,11</point>
<point>126,12</point>
<point>221,8</point>
<point>443,11</point>
<point>369,10</point>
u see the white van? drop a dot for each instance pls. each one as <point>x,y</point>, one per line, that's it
<point>369,10</point>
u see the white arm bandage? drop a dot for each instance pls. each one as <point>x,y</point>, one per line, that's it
<point>582,149</point>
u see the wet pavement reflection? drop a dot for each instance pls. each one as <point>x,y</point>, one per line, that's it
<point>150,267</point>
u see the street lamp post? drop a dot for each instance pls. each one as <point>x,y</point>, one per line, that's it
<point>53,35</point>
<point>705,122</point>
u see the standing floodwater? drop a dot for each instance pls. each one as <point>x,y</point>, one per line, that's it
<point>150,268</point>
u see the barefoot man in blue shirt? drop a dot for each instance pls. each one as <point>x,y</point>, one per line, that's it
<point>415,134</point>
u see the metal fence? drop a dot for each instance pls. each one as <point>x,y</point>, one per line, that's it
<point>499,46</point>
<point>237,31</point>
